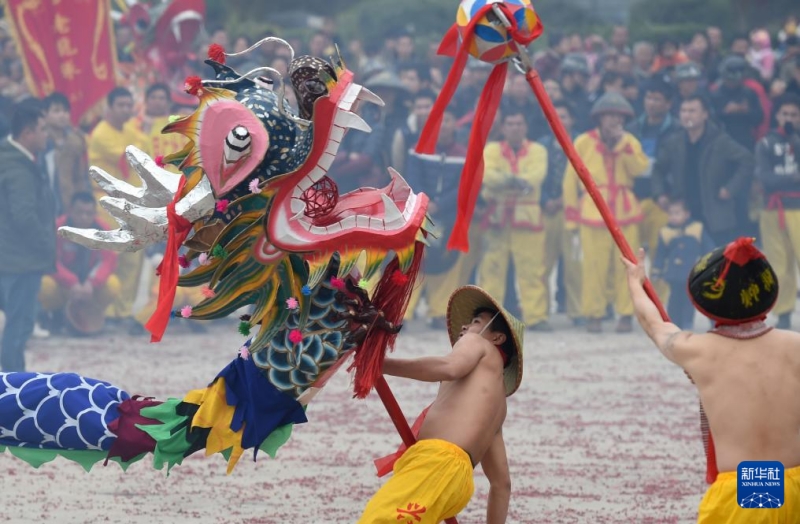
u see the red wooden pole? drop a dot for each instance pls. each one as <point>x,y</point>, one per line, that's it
<point>565,140</point>
<point>583,173</point>
<point>400,422</point>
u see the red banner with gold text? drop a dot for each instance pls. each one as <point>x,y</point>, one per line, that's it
<point>66,46</point>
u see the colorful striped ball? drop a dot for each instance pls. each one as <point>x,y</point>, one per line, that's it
<point>492,43</point>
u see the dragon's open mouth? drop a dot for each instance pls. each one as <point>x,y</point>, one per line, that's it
<point>310,212</point>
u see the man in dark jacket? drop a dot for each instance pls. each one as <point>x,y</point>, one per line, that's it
<point>777,156</point>
<point>27,230</point>
<point>708,170</point>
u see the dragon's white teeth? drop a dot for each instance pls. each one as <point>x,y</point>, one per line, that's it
<point>390,211</point>
<point>376,224</point>
<point>350,120</point>
<point>297,205</point>
<point>176,30</point>
<point>299,213</point>
<point>305,183</point>
<point>399,181</point>
<point>410,205</point>
<point>316,174</point>
<point>350,96</point>
<point>325,161</point>
<point>368,96</point>
<point>337,133</point>
<point>349,222</point>
<point>332,147</point>
<point>362,221</point>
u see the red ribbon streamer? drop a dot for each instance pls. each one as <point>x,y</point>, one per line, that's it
<point>472,176</point>
<point>179,229</point>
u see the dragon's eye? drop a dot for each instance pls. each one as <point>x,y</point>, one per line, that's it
<point>237,144</point>
<point>315,87</point>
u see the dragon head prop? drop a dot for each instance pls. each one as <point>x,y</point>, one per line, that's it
<point>258,210</point>
<point>244,133</point>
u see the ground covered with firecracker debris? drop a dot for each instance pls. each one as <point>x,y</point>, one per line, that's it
<point>602,430</point>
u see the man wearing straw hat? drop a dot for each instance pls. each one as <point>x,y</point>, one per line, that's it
<point>747,375</point>
<point>463,427</point>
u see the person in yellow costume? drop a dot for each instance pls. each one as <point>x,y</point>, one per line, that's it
<point>463,427</point>
<point>747,375</point>
<point>155,118</point>
<point>614,158</point>
<point>514,170</point>
<point>107,145</point>
<point>778,169</point>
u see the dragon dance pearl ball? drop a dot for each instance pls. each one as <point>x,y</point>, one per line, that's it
<point>492,43</point>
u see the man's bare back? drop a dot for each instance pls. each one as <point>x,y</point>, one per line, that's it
<point>750,390</point>
<point>470,411</point>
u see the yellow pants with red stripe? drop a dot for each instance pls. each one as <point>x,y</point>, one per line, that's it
<point>782,247</point>
<point>602,268</point>
<point>432,482</point>
<point>721,506</point>
<point>527,249</point>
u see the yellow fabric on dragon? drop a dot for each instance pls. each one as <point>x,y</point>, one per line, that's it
<point>216,414</point>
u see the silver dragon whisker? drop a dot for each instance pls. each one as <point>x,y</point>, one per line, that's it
<point>264,41</point>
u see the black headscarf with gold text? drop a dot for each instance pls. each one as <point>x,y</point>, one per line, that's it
<point>733,284</point>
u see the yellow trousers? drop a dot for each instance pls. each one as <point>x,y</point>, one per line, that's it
<point>558,243</point>
<point>782,247</point>
<point>527,249</point>
<point>129,270</point>
<point>601,267</point>
<point>53,296</point>
<point>654,219</point>
<point>720,504</point>
<point>432,482</point>
<point>438,288</point>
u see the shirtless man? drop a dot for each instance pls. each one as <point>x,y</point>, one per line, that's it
<point>747,374</point>
<point>432,481</point>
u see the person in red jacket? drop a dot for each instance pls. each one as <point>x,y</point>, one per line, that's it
<point>84,284</point>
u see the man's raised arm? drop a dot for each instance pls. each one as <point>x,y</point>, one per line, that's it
<point>668,337</point>
<point>465,356</point>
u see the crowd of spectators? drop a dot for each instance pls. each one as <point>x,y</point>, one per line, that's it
<point>692,142</point>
